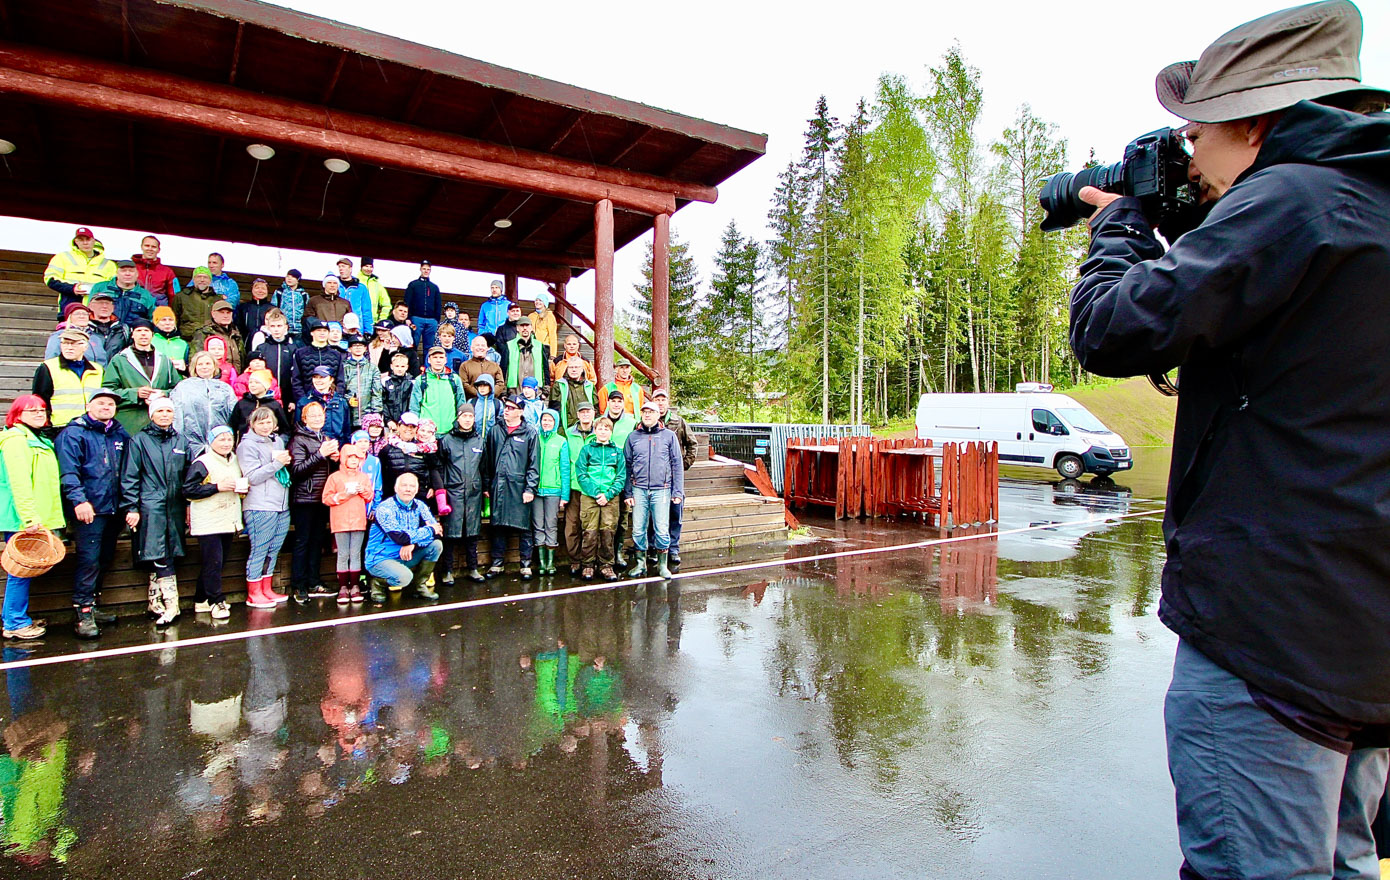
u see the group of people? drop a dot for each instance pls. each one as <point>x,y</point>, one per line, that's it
<point>189,411</point>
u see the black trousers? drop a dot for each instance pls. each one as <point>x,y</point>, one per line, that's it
<point>310,523</point>
<point>470,551</point>
<point>214,550</point>
<point>96,546</point>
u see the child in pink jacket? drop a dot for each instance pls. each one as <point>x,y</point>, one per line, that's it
<point>347,494</point>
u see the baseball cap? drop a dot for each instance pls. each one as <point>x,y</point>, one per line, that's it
<point>524,320</point>
<point>222,306</point>
<point>383,325</point>
<point>138,323</point>
<point>426,263</point>
<point>410,418</point>
<point>101,294</point>
<point>315,324</point>
<point>344,261</point>
<point>355,339</point>
<point>105,392</point>
<point>74,335</point>
<point>435,348</point>
<point>660,392</point>
<point>125,264</point>
<point>351,321</point>
<point>615,394</point>
<point>515,401</point>
<point>650,405</point>
<point>83,232</point>
<point>323,371</point>
<point>584,405</point>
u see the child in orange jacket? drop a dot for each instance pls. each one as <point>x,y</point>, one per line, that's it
<point>347,493</point>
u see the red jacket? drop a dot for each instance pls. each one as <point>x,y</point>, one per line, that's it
<point>157,278</point>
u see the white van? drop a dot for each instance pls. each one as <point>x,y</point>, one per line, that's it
<point>1034,428</point>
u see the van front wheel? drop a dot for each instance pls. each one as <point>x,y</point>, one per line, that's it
<point>1070,467</point>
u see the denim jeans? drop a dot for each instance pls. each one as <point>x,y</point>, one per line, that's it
<point>1256,800</point>
<point>96,545</point>
<point>426,330</point>
<point>651,506</point>
<point>399,573</point>
<point>16,608</point>
<point>267,530</point>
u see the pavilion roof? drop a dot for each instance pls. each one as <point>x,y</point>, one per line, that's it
<point>104,167</point>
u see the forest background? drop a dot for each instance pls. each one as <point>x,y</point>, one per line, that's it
<point>904,258</point>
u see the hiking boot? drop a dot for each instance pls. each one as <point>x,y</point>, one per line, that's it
<point>674,560</point>
<point>640,568</point>
<point>497,569</point>
<point>321,591</point>
<point>103,618</point>
<point>86,627</point>
<point>301,596</point>
<point>344,595</point>
<point>661,567</point>
<point>587,573</point>
<point>608,573</point>
<point>376,588</point>
<point>220,611</point>
<point>32,631</point>
<point>203,607</point>
<point>475,576</point>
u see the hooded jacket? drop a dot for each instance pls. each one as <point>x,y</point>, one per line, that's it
<point>395,396</point>
<point>554,467</point>
<point>228,334</point>
<point>130,304</point>
<point>255,454</point>
<point>199,406</point>
<point>337,415</point>
<point>511,467</point>
<point>125,375</point>
<point>492,314</point>
<point>1278,518</point>
<point>279,359</point>
<point>112,336</point>
<point>152,486</point>
<point>29,481</point>
<point>89,459</point>
<point>362,381</point>
<point>72,267</point>
<point>193,308</point>
<point>309,468</point>
<point>461,456</point>
<point>381,298</point>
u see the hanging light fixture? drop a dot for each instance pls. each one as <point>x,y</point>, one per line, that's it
<point>260,152</point>
<point>502,223</point>
<point>337,166</point>
<point>6,147</point>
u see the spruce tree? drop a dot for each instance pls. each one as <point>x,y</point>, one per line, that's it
<point>738,344</point>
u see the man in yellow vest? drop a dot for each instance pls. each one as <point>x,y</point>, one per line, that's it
<point>634,395</point>
<point>68,381</point>
<point>71,273</point>
<point>381,297</point>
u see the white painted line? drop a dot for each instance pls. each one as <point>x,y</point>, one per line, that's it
<point>240,635</point>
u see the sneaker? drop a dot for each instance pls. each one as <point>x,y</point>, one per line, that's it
<point>320,591</point>
<point>202,607</point>
<point>344,596</point>
<point>497,569</point>
<point>608,573</point>
<point>32,631</point>
<point>86,627</point>
<point>301,596</point>
<point>526,572</point>
<point>587,573</point>
<point>355,595</point>
<point>574,570</point>
<point>475,576</point>
<point>220,611</point>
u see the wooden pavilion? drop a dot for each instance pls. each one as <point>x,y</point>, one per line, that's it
<point>138,114</point>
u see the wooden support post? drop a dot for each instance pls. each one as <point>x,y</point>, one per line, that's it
<point>510,287</point>
<point>603,290</point>
<point>661,299</point>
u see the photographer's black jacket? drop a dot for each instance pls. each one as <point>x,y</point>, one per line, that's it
<point>1278,520</point>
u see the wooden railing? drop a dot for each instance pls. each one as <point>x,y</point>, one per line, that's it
<point>640,365</point>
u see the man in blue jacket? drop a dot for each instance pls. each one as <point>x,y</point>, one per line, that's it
<point>403,544</point>
<point>1278,518</point>
<point>425,302</point>
<point>655,481</point>
<point>492,314</point>
<point>89,451</point>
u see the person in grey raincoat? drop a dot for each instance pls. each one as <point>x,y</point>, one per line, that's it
<point>153,503</point>
<point>461,457</point>
<point>201,402</point>
<point>511,471</point>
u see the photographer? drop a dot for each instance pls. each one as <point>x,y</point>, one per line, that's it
<point>1278,518</point>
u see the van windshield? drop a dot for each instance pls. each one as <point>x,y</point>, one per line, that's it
<point>1082,420</point>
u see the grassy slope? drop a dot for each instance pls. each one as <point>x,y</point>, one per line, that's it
<point>1132,409</point>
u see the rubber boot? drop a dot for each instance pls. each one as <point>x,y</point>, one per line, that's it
<point>421,581</point>
<point>376,590</point>
<point>156,597</point>
<point>86,626</point>
<point>268,590</point>
<point>547,560</point>
<point>661,567</point>
<point>169,588</point>
<point>640,568</point>
<point>441,499</point>
<point>256,597</point>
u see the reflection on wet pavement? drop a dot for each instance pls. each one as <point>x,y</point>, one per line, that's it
<point>984,709</point>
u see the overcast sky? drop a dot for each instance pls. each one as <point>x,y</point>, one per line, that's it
<point>760,66</point>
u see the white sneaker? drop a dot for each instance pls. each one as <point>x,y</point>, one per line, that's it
<point>202,607</point>
<point>220,611</point>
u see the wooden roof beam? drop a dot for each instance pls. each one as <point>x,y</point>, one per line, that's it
<point>333,79</point>
<point>236,52</point>
<point>417,97</point>
<point>160,87</point>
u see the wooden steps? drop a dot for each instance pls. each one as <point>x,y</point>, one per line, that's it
<point>722,522</point>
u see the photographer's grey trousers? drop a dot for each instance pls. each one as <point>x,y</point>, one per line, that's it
<point>1256,800</point>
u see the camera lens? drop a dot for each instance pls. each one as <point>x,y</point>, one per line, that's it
<point>1062,206</point>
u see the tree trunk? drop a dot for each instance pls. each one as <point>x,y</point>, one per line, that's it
<point>859,353</point>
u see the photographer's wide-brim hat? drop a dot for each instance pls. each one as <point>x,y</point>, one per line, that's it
<point>1271,63</point>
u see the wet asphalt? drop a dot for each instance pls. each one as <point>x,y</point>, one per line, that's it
<point>988,708</point>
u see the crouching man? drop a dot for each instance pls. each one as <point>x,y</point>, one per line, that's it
<point>404,544</point>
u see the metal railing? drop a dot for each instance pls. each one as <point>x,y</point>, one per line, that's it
<point>747,441</point>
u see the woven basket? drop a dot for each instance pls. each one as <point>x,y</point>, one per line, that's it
<point>30,554</point>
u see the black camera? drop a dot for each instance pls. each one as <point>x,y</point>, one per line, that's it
<point>1154,170</point>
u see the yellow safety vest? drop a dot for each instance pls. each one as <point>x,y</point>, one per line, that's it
<point>74,267</point>
<point>70,392</point>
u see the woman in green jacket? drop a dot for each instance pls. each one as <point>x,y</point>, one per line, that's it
<point>552,490</point>
<point>30,499</point>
